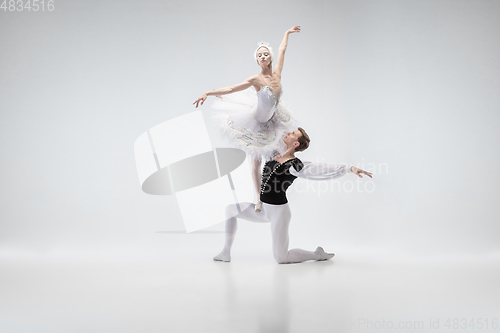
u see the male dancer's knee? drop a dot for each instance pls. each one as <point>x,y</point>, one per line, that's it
<point>281,257</point>
<point>231,211</point>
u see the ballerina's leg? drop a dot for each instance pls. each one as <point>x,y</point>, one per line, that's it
<point>257,179</point>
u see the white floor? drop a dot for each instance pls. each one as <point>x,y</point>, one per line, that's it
<point>176,287</point>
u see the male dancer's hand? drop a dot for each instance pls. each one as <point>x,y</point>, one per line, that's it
<point>358,172</point>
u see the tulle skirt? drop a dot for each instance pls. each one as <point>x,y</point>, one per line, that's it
<point>234,116</point>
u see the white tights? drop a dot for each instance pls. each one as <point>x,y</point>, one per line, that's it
<point>279,216</point>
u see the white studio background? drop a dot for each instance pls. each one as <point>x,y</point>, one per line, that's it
<point>405,89</point>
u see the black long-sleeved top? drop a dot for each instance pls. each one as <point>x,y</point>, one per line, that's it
<point>277,177</point>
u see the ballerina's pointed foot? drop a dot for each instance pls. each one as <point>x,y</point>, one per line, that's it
<point>226,257</point>
<point>324,255</point>
<point>258,207</point>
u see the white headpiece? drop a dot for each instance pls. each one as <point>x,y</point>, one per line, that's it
<point>266,45</point>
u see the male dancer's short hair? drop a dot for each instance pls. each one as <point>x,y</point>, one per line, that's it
<point>303,140</point>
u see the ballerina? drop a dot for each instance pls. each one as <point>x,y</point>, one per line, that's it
<point>255,121</point>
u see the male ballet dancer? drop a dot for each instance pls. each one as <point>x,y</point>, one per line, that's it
<point>277,176</point>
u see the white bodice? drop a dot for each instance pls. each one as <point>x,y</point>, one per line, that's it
<point>266,103</point>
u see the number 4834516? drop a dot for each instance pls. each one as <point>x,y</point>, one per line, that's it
<point>27,5</point>
<point>471,323</point>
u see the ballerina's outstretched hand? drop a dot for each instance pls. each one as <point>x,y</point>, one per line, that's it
<point>201,99</point>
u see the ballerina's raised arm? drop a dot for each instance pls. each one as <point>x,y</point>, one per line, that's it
<point>281,51</point>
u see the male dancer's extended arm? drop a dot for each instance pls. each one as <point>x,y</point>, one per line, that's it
<point>325,171</point>
<point>321,171</point>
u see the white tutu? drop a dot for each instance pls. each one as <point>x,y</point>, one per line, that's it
<point>254,122</point>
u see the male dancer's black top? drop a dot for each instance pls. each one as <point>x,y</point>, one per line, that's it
<point>276,178</point>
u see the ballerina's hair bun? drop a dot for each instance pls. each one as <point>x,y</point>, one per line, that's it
<point>266,45</point>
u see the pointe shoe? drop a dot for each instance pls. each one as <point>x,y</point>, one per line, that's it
<point>258,207</point>
<point>223,257</point>
<point>323,254</point>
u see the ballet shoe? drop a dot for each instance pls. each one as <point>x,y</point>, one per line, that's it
<point>223,257</point>
<point>323,254</point>
<point>258,207</point>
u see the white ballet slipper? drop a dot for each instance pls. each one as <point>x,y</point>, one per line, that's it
<point>324,255</point>
<point>226,257</point>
